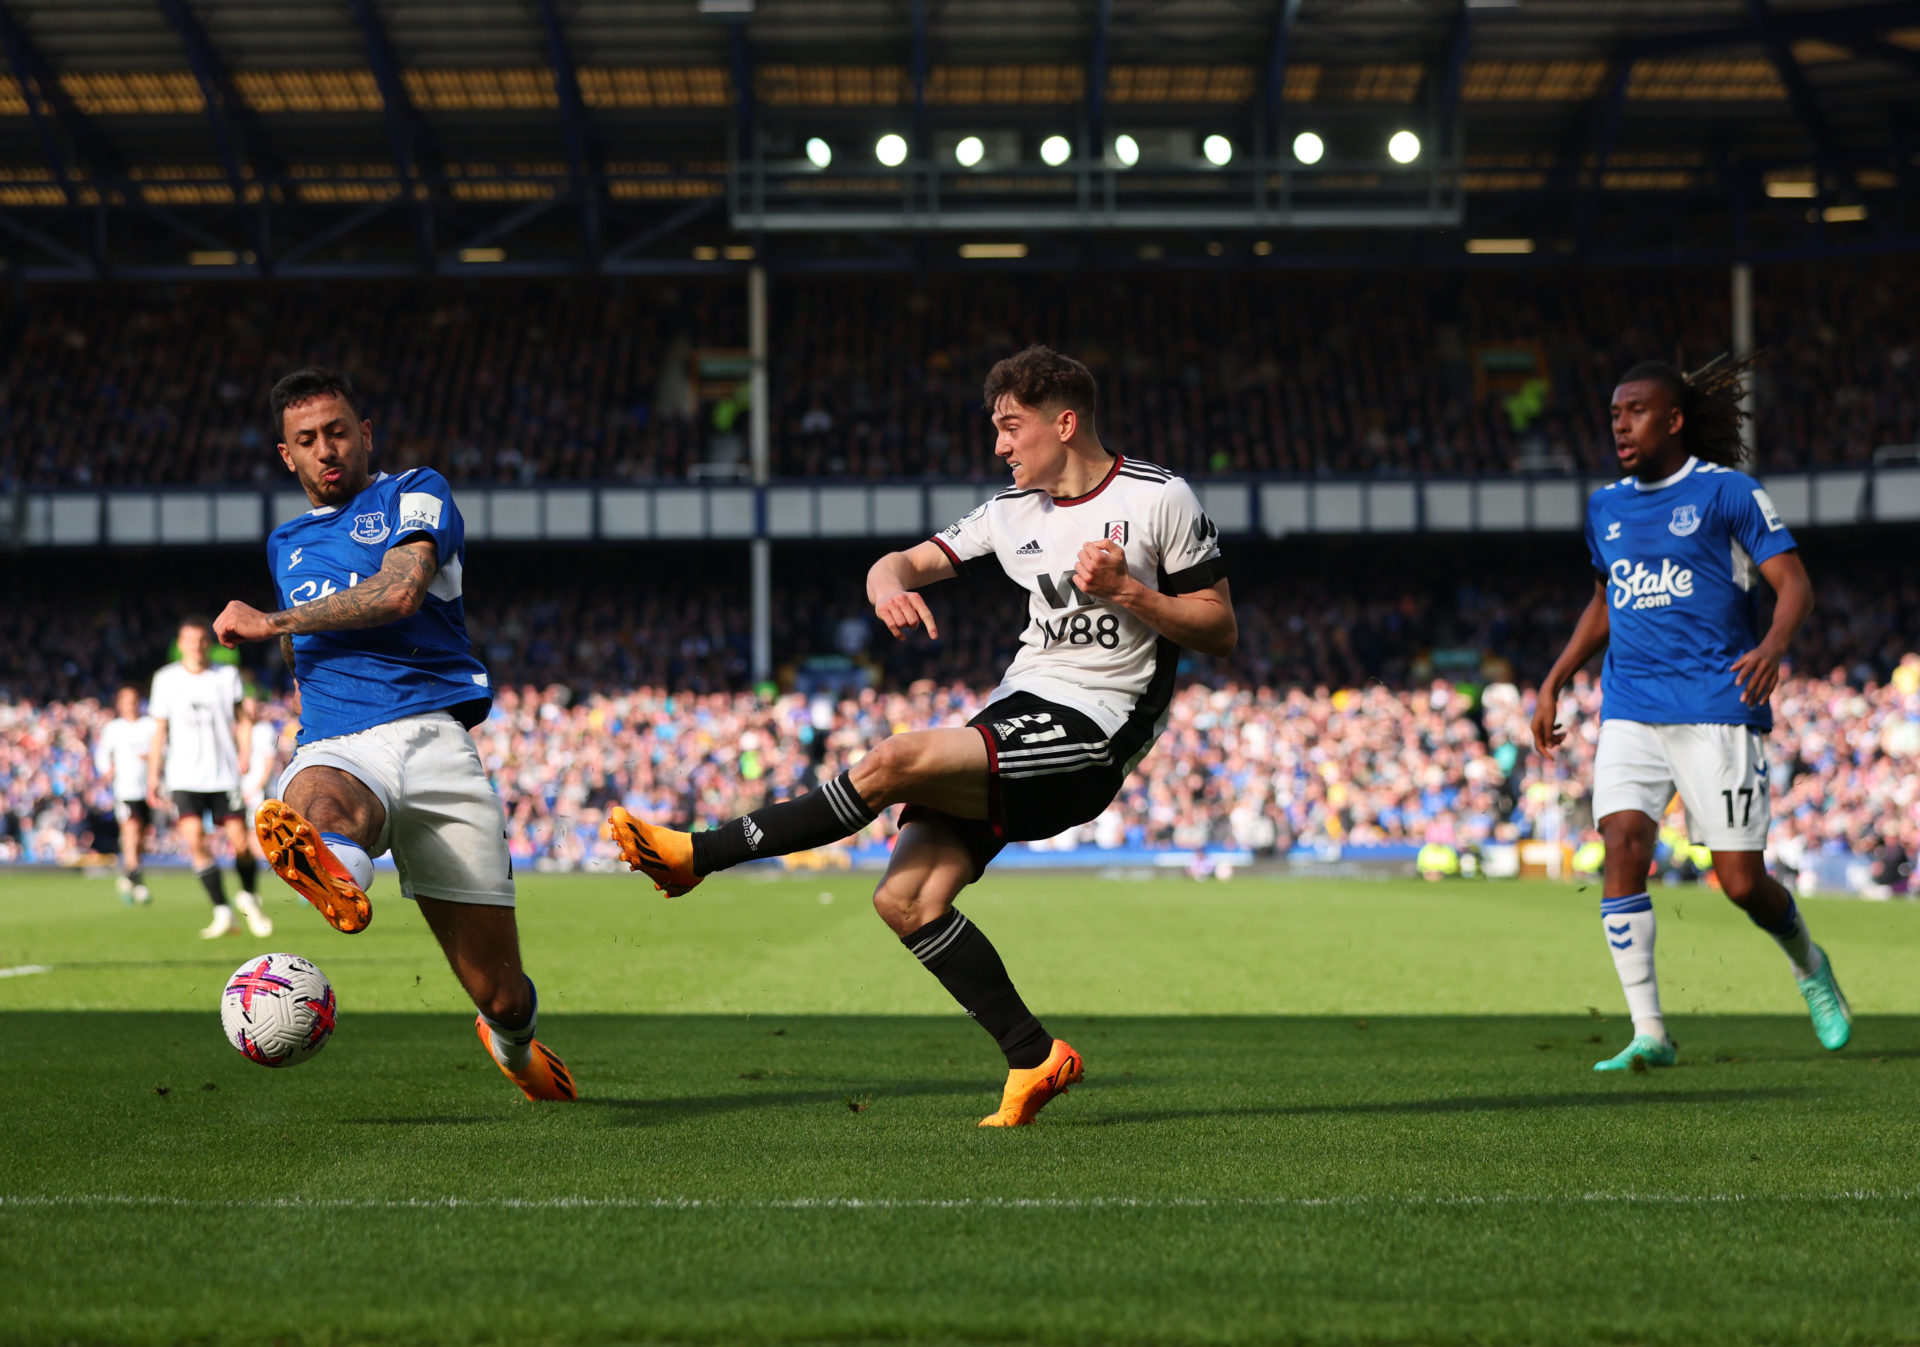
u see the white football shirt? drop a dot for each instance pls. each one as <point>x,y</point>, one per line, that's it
<point>263,750</point>
<point>121,755</point>
<point>202,754</point>
<point>1078,650</point>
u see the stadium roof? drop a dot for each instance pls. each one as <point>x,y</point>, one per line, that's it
<point>607,134</point>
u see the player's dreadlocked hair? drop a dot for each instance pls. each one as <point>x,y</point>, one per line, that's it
<point>1709,402</point>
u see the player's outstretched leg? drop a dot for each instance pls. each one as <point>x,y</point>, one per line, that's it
<point>482,944</point>
<point>318,841</point>
<point>943,769</point>
<point>930,866</point>
<point>1744,879</point>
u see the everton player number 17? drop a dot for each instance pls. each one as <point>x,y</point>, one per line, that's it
<point>1680,548</point>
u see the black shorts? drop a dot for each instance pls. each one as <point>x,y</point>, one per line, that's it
<point>1049,768</point>
<point>222,804</point>
<point>132,811</point>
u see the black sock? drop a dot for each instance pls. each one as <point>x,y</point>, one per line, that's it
<point>210,880</point>
<point>138,874</point>
<point>245,870</point>
<point>960,955</point>
<point>812,820</point>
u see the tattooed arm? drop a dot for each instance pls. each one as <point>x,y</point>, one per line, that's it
<point>395,592</point>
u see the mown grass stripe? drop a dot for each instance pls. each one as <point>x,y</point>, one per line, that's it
<point>55,1200</point>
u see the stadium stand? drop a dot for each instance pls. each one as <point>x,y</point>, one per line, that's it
<point>1309,373</point>
<point>1381,708</point>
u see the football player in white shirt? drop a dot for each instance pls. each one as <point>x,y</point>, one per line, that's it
<point>120,755</point>
<point>1122,568</point>
<point>263,762</point>
<point>202,738</point>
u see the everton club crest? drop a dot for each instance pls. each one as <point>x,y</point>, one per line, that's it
<point>1686,518</point>
<point>371,528</point>
<point>1117,532</point>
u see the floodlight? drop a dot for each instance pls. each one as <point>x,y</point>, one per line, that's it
<point>1218,149</point>
<point>891,150</point>
<point>1127,150</point>
<point>1404,147</point>
<point>819,153</point>
<point>970,151</point>
<point>1055,150</point>
<point>1308,148</point>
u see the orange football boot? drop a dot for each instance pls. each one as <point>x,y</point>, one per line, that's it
<point>665,855</point>
<point>1029,1090</point>
<point>544,1078</point>
<point>298,855</point>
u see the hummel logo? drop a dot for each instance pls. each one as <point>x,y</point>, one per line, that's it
<point>294,560</point>
<point>1613,532</point>
<point>754,834</point>
<point>1030,548</point>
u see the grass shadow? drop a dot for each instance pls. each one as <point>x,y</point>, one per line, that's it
<point>654,1112</point>
<point>1469,1104</point>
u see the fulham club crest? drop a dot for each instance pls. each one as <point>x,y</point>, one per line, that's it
<point>1116,532</point>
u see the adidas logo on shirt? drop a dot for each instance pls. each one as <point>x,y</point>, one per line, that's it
<point>1030,548</point>
<point>755,836</point>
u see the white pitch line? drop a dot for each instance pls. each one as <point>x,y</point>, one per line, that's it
<point>124,1200</point>
<point>25,970</point>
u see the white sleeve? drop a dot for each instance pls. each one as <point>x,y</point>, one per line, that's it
<point>967,538</point>
<point>103,750</point>
<point>1189,542</point>
<point>157,697</point>
<point>237,689</point>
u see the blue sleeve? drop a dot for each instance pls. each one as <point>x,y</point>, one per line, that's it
<point>426,510</point>
<point>1593,543</point>
<point>274,549</point>
<point>1752,520</point>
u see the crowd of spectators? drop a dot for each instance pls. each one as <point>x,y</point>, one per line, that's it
<point>1378,709</point>
<point>879,377</point>
<point>1255,770</point>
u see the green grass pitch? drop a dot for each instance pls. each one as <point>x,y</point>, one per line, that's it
<point>1315,1112</point>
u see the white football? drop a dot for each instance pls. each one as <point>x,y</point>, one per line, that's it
<point>277,1009</point>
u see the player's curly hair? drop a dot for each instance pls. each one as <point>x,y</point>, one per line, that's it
<point>1043,378</point>
<point>1709,401</point>
<point>312,382</point>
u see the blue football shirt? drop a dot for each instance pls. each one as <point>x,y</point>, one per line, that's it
<point>1681,560</point>
<point>354,680</point>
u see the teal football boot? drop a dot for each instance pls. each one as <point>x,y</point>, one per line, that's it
<point>1832,1016</point>
<point>1645,1051</point>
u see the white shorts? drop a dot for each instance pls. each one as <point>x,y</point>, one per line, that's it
<point>445,825</point>
<point>1720,772</point>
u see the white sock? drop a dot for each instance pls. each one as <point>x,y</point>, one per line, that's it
<point>352,855</point>
<point>1629,926</point>
<point>1798,944</point>
<point>513,1047</point>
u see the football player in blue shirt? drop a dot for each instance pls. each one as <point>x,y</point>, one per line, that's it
<point>374,628</point>
<point>1679,545</point>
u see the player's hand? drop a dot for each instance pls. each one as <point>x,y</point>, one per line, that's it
<point>242,622</point>
<point>1758,671</point>
<point>1547,734</point>
<point>904,610</point>
<point>1101,570</point>
<point>156,801</point>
